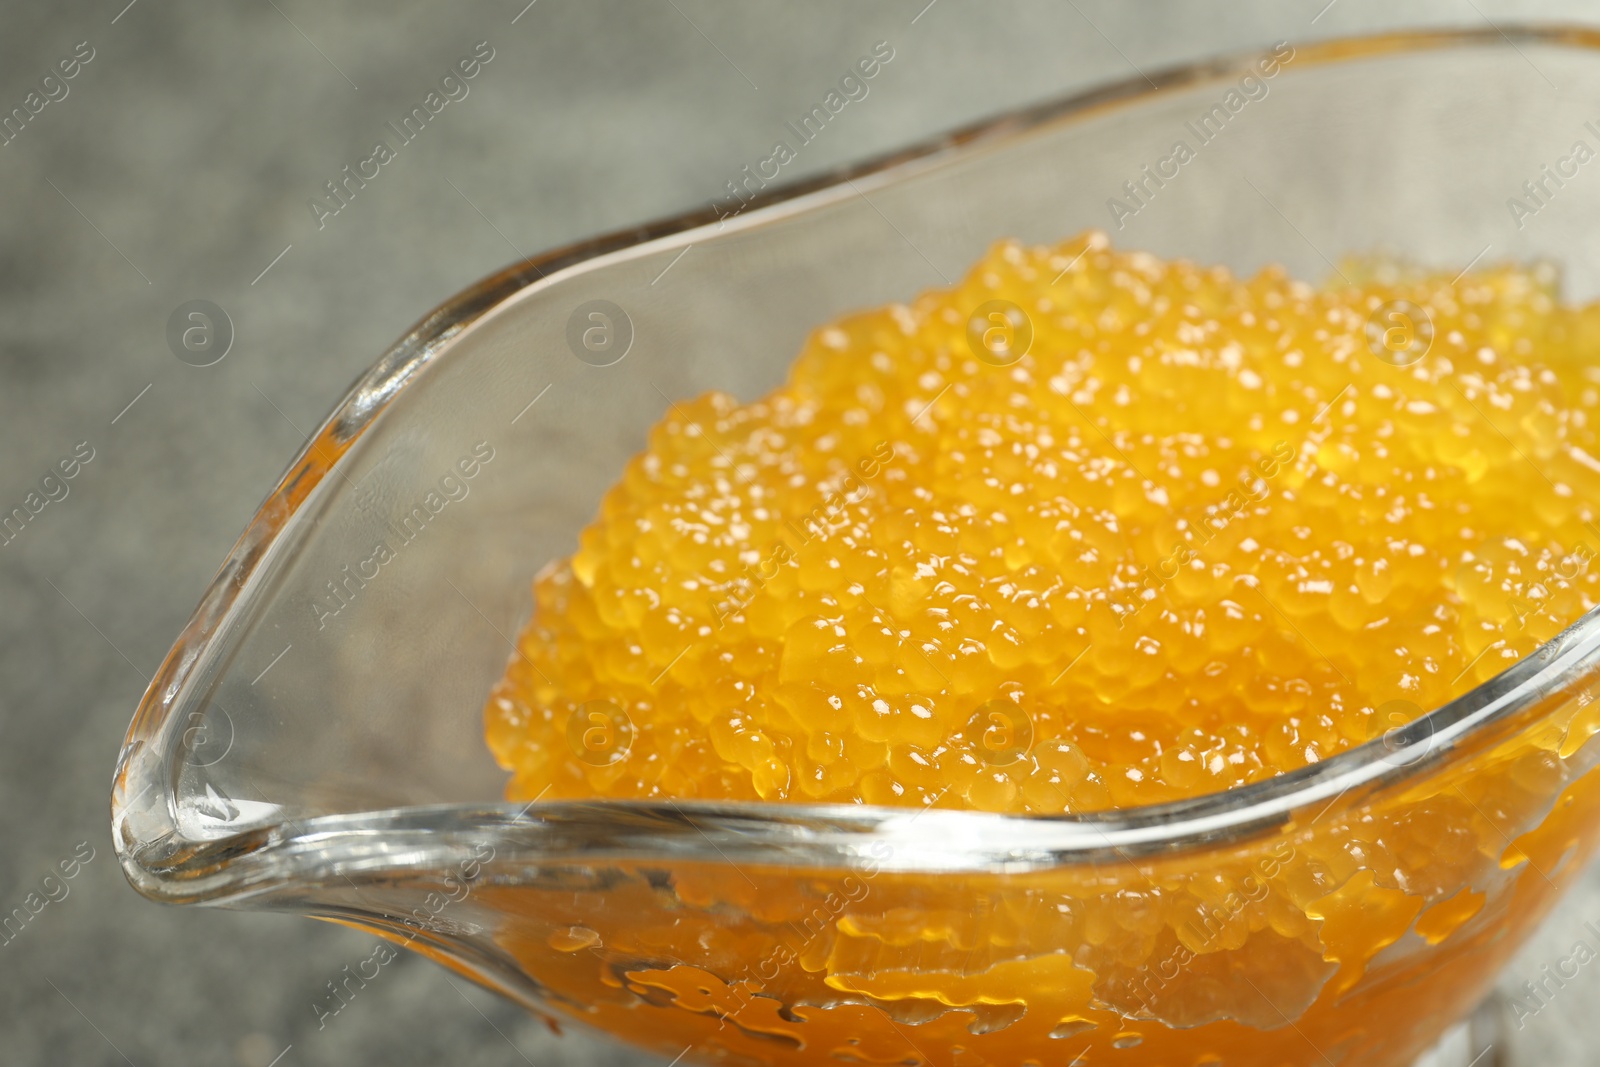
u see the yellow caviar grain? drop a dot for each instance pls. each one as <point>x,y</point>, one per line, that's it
<point>1203,530</point>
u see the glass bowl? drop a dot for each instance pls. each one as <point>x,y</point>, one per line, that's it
<point>314,741</point>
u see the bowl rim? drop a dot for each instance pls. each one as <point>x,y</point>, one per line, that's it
<point>162,863</point>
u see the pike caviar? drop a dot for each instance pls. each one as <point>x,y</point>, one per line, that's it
<point>1088,530</point>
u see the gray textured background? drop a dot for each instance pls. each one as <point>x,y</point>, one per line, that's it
<point>177,168</point>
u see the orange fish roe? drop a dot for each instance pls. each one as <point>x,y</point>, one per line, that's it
<point>1088,530</point>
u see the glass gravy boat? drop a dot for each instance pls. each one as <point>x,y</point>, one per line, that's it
<point>313,743</point>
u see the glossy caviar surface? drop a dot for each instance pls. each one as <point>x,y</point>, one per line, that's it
<point>1088,530</point>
